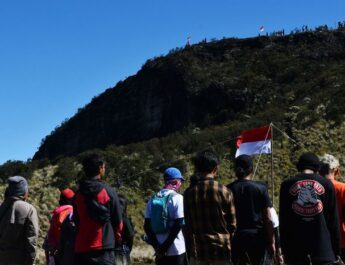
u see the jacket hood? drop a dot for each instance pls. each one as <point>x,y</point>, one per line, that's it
<point>62,208</point>
<point>90,187</point>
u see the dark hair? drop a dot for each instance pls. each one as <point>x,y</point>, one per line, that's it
<point>65,201</point>
<point>91,165</point>
<point>243,166</point>
<point>205,161</point>
<point>324,169</point>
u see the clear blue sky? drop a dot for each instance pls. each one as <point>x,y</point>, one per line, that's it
<point>55,55</point>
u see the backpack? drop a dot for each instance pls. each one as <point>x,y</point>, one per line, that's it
<point>159,213</point>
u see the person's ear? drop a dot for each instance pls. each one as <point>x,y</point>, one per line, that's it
<point>214,171</point>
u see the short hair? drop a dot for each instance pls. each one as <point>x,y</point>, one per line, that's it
<point>243,166</point>
<point>206,161</point>
<point>331,160</point>
<point>91,165</point>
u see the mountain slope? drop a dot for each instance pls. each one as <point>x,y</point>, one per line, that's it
<point>259,78</point>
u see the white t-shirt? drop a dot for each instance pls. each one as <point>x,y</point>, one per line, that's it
<point>175,211</point>
<point>275,218</point>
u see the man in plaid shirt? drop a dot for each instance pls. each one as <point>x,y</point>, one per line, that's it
<point>209,214</point>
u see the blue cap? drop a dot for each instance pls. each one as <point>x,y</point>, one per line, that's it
<point>172,173</point>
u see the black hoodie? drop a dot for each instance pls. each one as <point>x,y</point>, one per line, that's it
<point>308,218</point>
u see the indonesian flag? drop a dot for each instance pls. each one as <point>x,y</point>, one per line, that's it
<point>262,29</point>
<point>254,141</point>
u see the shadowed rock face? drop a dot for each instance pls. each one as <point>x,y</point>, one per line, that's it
<point>206,84</point>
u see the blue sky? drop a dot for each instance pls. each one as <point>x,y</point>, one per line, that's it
<point>56,55</point>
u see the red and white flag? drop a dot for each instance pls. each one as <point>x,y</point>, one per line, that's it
<point>262,29</point>
<point>254,141</point>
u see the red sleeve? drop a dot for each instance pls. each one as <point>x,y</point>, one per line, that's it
<point>119,231</point>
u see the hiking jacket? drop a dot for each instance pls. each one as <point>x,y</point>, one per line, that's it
<point>65,253</point>
<point>58,216</point>
<point>308,218</point>
<point>18,232</point>
<point>97,215</point>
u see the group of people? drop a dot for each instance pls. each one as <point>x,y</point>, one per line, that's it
<point>213,224</point>
<point>209,224</point>
<point>88,227</point>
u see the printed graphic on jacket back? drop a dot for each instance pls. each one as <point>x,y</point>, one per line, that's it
<point>307,202</point>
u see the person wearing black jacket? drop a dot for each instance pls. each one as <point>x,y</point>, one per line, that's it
<point>123,249</point>
<point>97,216</point>
<point>309,224</point>
<point>254,234</point>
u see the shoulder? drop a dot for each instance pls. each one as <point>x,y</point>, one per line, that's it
<point>289,181</point>
<point>177,198</point>
<point>222,190</point>
<point>259,185</point>
<point>232,185</point>
<point>24,208</point>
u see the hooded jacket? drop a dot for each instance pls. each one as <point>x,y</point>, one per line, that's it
<point>97,215</point>
<point>308,219</point>
<point>18,232</point>
<point>58,216</point>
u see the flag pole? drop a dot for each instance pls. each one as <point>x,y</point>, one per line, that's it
<point>272,179</point>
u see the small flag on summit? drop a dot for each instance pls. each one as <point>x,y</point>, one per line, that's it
<point>254,141</point>
<point>262,29</point>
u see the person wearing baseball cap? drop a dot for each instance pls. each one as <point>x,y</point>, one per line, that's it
<point>164,228</point>
<point>308,216</point>
<point>18,224</point>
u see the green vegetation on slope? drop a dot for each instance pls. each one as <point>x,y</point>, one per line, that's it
<point>199,97</point>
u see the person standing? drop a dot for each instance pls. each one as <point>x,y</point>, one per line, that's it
<point>254,234</point>
<point>58,216</point>
<point>123,249</point>
<point>18,225</point>
<point>332,173</point>
<point>98,216</point>
<point>164,219</point>
<point>209,214</point>
<point>308,216</point>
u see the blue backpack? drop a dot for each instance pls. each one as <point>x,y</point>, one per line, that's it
<point>159,213</point>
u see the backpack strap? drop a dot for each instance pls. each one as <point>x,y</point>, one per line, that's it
<point>169,197</point>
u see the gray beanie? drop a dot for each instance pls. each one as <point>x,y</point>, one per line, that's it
<point>17,186</point>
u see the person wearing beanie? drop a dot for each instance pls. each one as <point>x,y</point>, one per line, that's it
<point>18,225</point>
<point>59,214</point>
<point>330,170</point>
<point>209,214</point>
<point>164,219</point>
<point>254,234</point>
<point>308,216</point>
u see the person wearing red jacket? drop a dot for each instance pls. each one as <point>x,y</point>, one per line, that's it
<point>97,215</point>
<point>58,216</point>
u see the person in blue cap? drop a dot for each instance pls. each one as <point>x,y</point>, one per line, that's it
<point>164,219</point>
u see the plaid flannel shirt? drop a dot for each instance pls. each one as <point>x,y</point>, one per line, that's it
<point>210,220</point>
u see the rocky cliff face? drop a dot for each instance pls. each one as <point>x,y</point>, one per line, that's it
<point>210,83</point>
